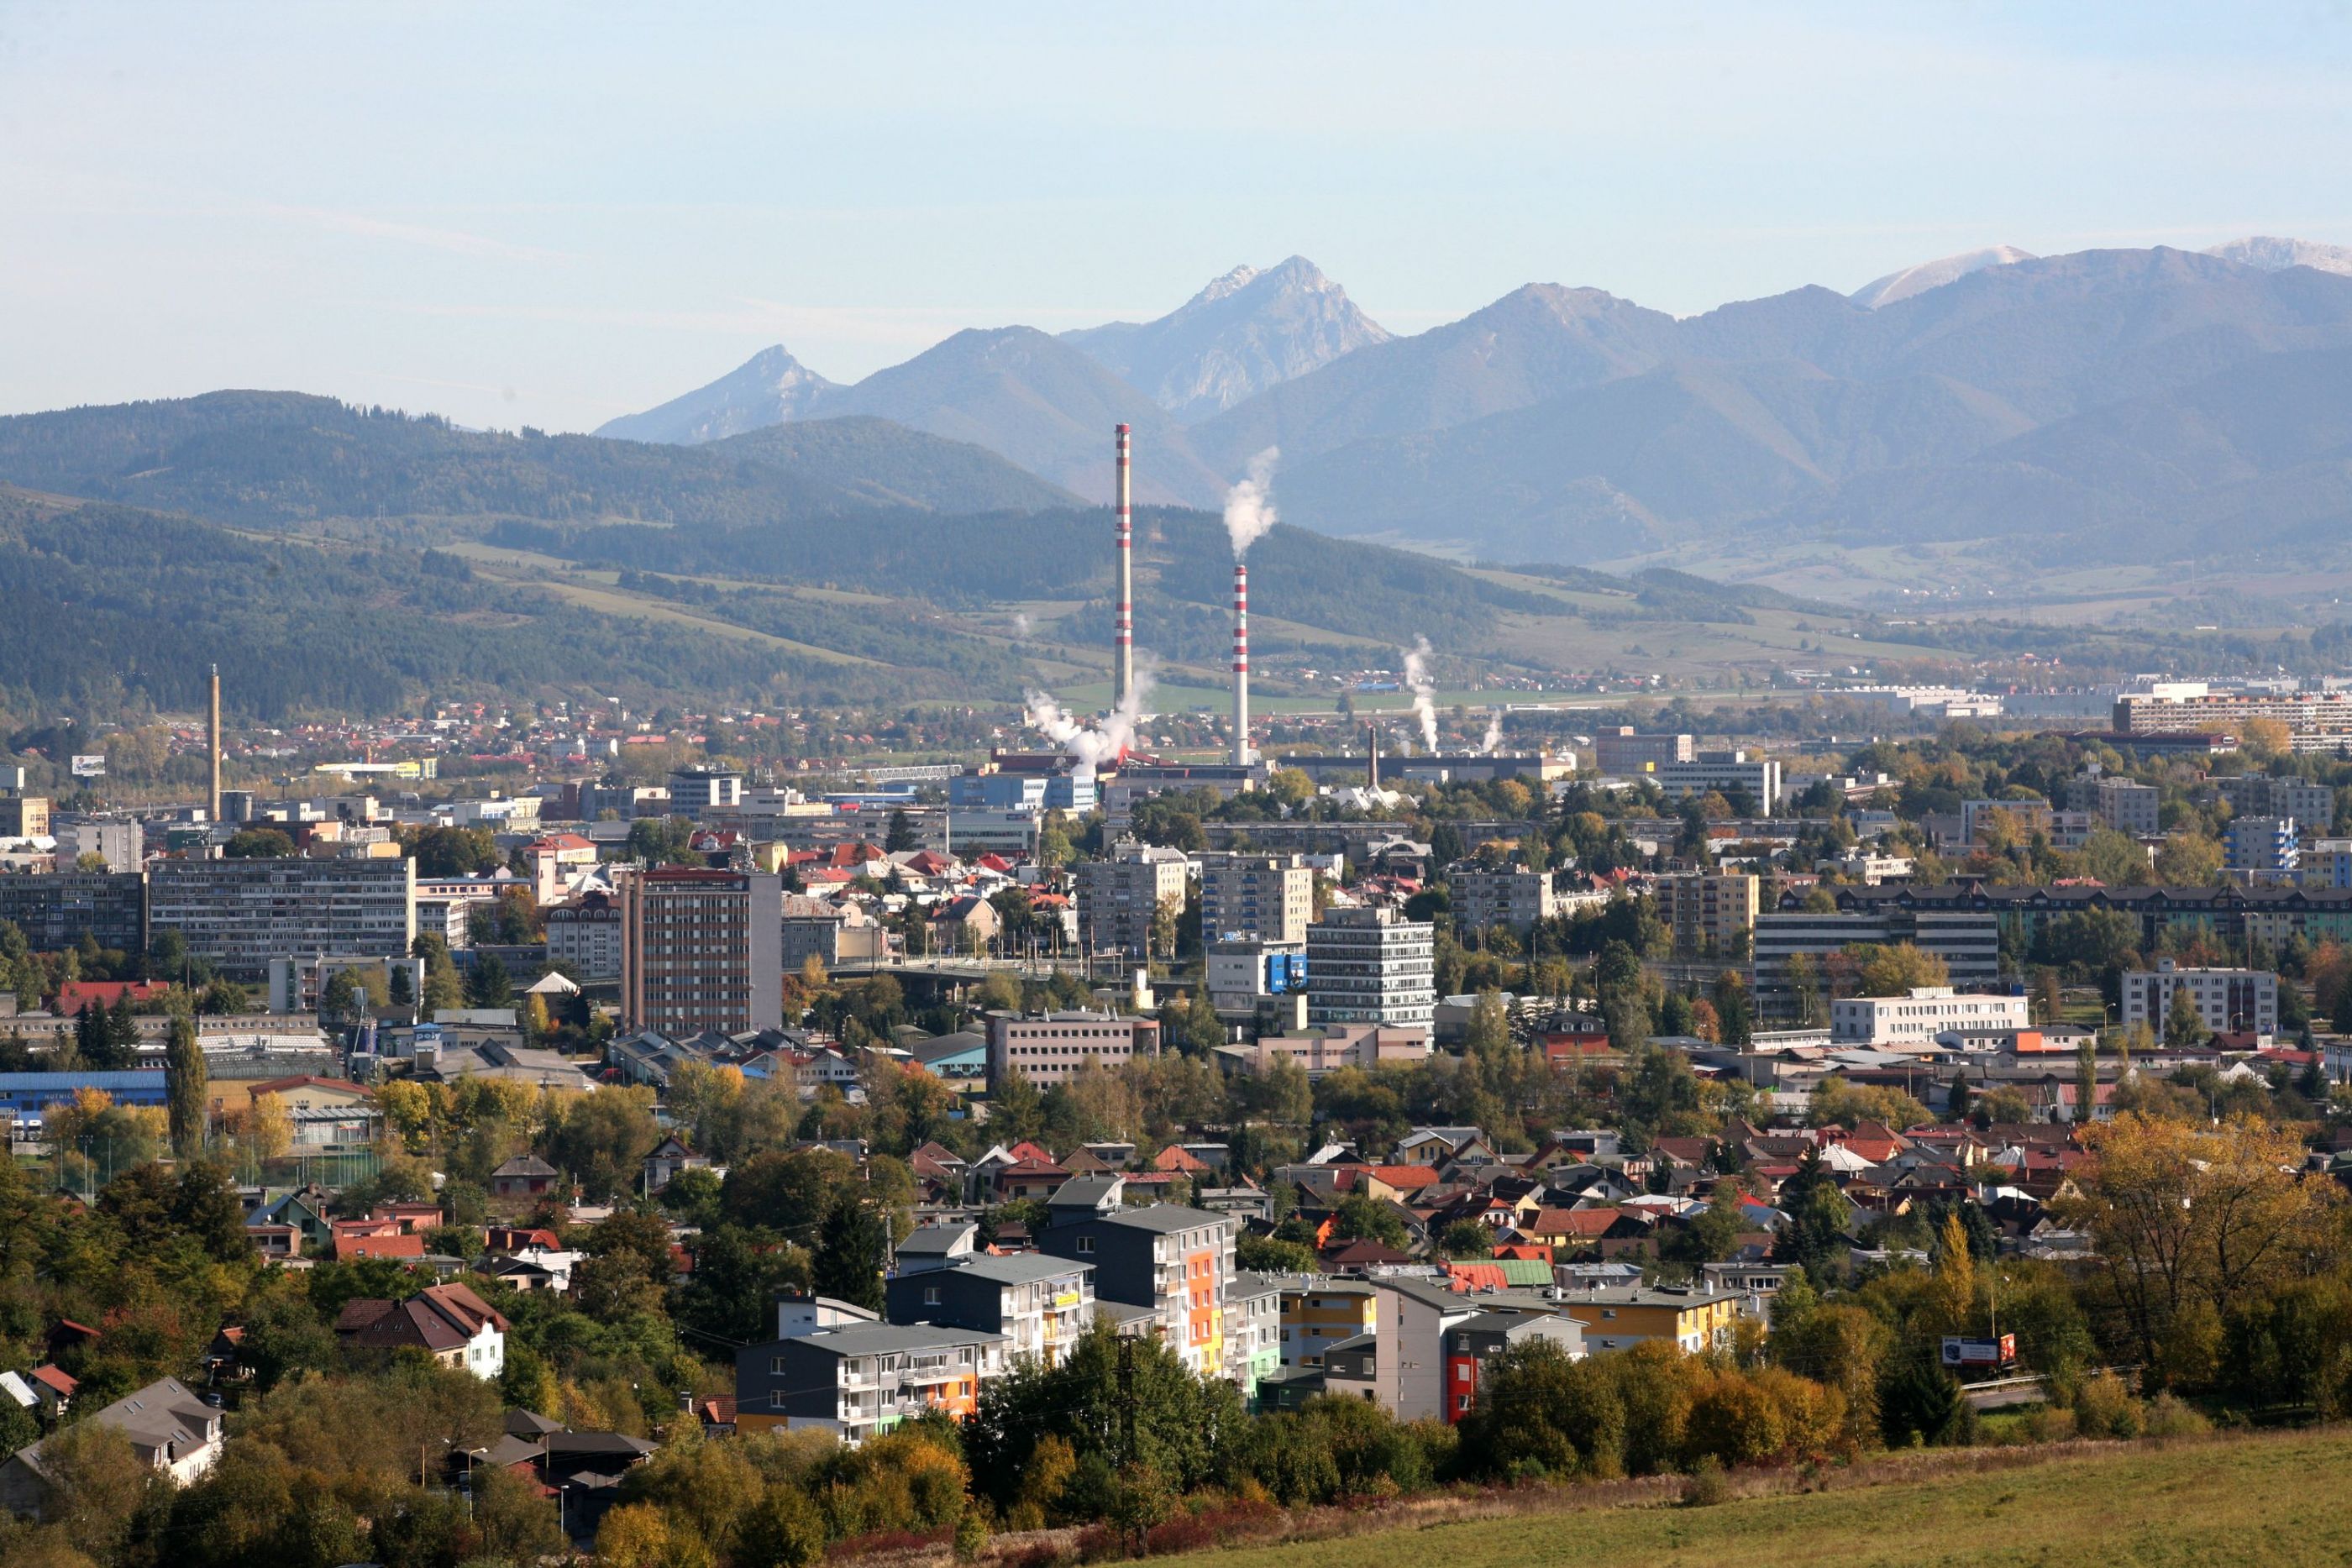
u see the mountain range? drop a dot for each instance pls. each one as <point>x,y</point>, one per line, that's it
<point>1994,395</point>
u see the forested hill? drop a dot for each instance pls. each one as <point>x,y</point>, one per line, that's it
<point>116,609</point>
<point>280,458</point>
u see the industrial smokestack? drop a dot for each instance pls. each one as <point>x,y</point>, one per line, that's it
<point>1241,665</point>
<point>1373,753</point>
<point>1122,668</point>
<point>213,735</point>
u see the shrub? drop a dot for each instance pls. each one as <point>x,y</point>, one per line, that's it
<point>2103,1407</point>
<point>1706,1486</point>
<point>2170,1417</point>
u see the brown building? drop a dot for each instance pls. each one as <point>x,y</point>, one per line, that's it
<point>702,950</point>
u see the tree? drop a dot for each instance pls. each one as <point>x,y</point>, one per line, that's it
<point>1361,1218</point>
<point>1466,1238</point>
<point>183,1087</point>
<point>2266,739</point>
<point>2086,1082</point>
<point>269,1127</point>
<point>2187,1214</point>
<point>849,1254</point>
<point>1896,969</point>
<point>487,985</point>
<point>2184,1026</point>
<point>2189,860</point>
<point>1735,1017</point>
<point>258,844</point>
<point>446,852</point>
<point>899,838</point>
<point>782,1530</point>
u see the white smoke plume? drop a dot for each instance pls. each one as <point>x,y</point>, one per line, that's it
<point>1425,691</point>
<point>1101,745</point>
<point>1494,740</point>
<point>1020,624</point>
<point>1249,506</point>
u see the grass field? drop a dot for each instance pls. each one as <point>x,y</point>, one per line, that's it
<point>2272,1501</point>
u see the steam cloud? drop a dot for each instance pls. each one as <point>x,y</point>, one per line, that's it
<point>1095,747</point>
<point>1488,746</point>
<point>1425,691</point>
<point>1020,624</point>
<point>1249,506</point>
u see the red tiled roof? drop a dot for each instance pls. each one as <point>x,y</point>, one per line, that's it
<point>75,994</point>
<point>377,1246</point>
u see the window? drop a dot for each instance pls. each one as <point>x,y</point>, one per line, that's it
<point>930,1295</point>
<point>1086,1245</point>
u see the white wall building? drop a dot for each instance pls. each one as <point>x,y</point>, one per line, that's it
<point>2226,1000</point>
<point>1367,966</point>
<point>1919,1016</point>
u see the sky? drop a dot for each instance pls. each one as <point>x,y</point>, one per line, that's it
<point>547,214</point>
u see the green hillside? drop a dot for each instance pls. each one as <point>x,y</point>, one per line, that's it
<point>2271,1501</point>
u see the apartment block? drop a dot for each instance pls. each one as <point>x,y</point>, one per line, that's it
<point>2261,844</point>
<point>1119,896</point>
<point>1514,897</point>
<point>23,817</point>
<point>1261,898</point>
<point>862,1379</point>
<point>1369,965</point>
<point>2312,806</point>
<point>1175,1260</point>
<point>2227,1000</point>
<point>584,935</point>
<point>1710,914</point>
<point>1040,1304</point>
<point>241,914</point>
<point>702,950</point>
<point>1319,1311</point>
<point>2128,807</point>
<point>55,910</point>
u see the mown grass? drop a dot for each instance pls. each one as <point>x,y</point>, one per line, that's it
<point>2272,1500</point>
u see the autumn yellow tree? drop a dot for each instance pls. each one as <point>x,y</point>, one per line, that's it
<point>269,1127</point>
<point>2188,1217</point>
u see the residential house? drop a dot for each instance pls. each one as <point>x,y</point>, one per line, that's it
<point>448,1323</point>
<point>173,1432</point>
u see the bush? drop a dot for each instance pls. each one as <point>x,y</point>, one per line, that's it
<point>2103,1407</point>
<point>2170,1417</point>
<point>1706,1486</point>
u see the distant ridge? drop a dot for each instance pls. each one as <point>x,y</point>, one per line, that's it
<point>768,388</point>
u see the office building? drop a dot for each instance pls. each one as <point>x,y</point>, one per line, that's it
<point>1263,898</point>
<point>55,910</point>
<point>1174,1260</point>
<point>1119,897</point>
<point>1920,1015</point>
<point>1622,751</point>
<point>2227,1000</point>
<point>1710,914</point>
<point>1727,773</point>
<point>241,914</point>
<point>1369,965</point>
<point>1512,896</point>
<point>695,791</point>
<point>702,950</point>
<point>2261,846</point>
<point>1049,1046</point>
<point>994,786</point>
<point>1968,941</point>
<point>2128,807</point>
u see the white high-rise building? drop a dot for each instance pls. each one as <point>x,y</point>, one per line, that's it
<point>1367,966</point>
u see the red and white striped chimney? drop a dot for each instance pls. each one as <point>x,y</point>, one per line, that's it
<point>1122,670</point>
<point>1241,665</point>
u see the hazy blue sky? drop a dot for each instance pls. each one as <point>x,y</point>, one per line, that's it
<point>555,214</point>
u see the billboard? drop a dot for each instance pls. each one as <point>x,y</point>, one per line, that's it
<point>1962,1352</point>
<point>89,766</point>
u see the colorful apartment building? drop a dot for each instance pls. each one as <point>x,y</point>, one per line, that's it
<point>1170,1260</point>
<point>1696,1318</point>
